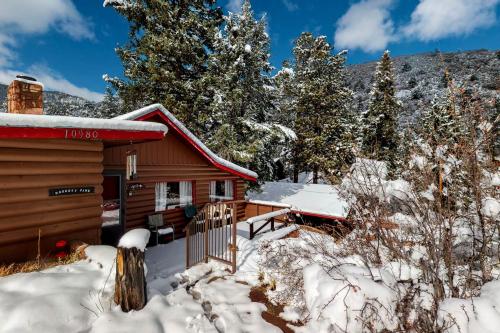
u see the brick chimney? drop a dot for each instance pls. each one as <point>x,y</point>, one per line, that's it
<point>25,95</point>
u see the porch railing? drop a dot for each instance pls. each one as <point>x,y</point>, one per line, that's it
<point>211,234</point>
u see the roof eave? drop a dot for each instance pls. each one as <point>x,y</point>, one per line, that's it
<point>91,134</point>
<point>159,110</point>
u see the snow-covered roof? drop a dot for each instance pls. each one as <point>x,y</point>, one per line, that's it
<point>46,121</point>
<point>170,119</point>
<point>308,199</point>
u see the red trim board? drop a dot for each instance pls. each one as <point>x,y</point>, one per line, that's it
<point>192,143</point>
<point>77,133</point>
<point>330,217</point>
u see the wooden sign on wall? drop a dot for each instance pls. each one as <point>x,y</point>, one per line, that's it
<point>55,192</point>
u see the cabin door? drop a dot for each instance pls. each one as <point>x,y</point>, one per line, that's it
<point>113,225</point>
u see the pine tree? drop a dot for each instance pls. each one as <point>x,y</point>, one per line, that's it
<point>285,107</point>
<point>442,138</point>
<point>284,96</point>
<point>325,123</point>
<point>380,121</point>
<point>165,59</point>
<point>442,123</point>
<point>241,87</point>
<point>110,106</point>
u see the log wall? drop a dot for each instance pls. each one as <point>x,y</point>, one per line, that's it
<point>171,159</point>
<point>28,169</point>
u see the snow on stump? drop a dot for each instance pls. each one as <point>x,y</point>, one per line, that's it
<point>130,281</point>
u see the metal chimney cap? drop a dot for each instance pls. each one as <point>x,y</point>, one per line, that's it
<point>26,77</point>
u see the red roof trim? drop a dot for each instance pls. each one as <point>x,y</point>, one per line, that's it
<point>330,217</point>
<point>90,134</point>
<point>192,143</point>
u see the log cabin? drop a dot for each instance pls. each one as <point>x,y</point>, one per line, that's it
<point>169,175</point>
<point>85,179</point>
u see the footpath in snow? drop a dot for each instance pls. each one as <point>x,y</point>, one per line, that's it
<point>207,298</point>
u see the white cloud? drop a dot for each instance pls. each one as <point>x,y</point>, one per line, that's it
<point>435,19</point>
<point>6,53</point>
<point>234,6</point>
<point>38,16</point>
<point>290,5</point>
<point>51,81</point>
<point>367,25</point>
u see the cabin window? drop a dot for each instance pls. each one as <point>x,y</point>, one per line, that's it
<point>221,190</point>
<point>170,195</point>
<point>131,165</point>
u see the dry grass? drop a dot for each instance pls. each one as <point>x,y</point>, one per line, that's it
<point>40,264</point>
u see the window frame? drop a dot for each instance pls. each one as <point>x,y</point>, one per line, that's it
<point>224,198</point>
<point>177,206</point>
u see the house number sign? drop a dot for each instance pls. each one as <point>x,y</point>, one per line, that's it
<point>55,192</point>
<point>81,134</point>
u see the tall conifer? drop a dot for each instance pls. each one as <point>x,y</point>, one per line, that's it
<point>380,137</point>
<point>165,58</point>
<point>324,120</point>
<point>241,86</point>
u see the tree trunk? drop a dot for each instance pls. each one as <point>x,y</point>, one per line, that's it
<point>295,174</point>
<point>130,282</point>
<point>315,174</point>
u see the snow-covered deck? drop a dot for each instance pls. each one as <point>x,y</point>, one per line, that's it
<point>321,200</point>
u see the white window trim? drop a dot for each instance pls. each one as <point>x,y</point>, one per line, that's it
<point>161,195</point>
<point>228,189</point>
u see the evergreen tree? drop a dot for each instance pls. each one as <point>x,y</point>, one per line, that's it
<point>442,139</point>
<point>110,106</point>
<point>166,56</point>
<point>240,67</point>
<point>380,121</point>
<point>285,108</point>
<point>284,96</point>
<point>442,123</point>
<point>241,86</point>
<point>325,123</point>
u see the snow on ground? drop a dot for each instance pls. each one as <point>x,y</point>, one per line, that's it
<point>307,198</point>
<point>207,298</point>
<point>479,314</point>
<point>306,178</point>
<point>61,299</point>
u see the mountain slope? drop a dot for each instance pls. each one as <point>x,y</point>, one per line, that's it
<point>418,79</point>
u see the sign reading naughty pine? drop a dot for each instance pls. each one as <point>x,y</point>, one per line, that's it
<point>55,192</point>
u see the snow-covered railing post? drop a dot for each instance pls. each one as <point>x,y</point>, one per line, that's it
<point>130,281</point>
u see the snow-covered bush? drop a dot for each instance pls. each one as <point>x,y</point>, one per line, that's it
<point>324,290</point>
<point>435,226</point>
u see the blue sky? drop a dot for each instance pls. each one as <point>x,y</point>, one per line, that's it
<point>69,44</point>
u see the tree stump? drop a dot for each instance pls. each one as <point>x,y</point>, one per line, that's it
<point>130,282</point>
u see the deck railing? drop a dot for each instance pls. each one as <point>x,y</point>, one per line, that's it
<point>211,234</point>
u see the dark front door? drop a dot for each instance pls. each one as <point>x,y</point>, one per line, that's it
<point>113,208</point>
